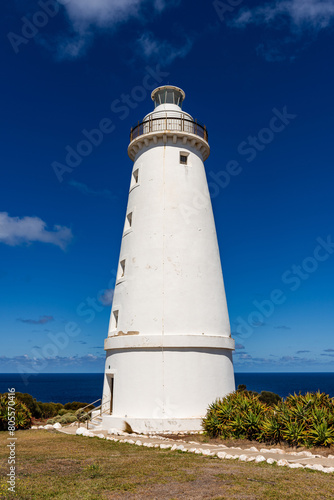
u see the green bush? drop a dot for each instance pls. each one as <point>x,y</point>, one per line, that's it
<point>22,414</point>
<point>238,415</point>
<point>54,420</point>
<point>50,410</point>
<point>75,405</point>
<point>31,404</point>
<point>82,415</point>
<point>63,418</point>
<point>299,420</point>
<point>64,411</point>
<point>270,398</point>
<point>69,418</point>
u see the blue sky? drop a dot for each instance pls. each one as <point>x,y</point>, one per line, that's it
<point>259,75</point>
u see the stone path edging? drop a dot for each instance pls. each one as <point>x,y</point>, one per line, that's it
<point>273,456</point>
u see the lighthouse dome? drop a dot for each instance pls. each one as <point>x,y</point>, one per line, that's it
<point>168,94</point>
<point>167,100</point>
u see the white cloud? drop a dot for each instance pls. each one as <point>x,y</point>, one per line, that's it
<point>74,46</point>
<point>102,12</point>
<point>312,14</point>
<point>17,231</point>
<point>84,189</point>
<point>86,17</point>
<point>298,16</point>
<point>151,48</point>
<point>41,321</point>
<point>160,4</point>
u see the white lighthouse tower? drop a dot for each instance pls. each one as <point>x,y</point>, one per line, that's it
<point>169,346</point>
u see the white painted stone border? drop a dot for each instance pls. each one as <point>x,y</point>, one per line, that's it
<point>220,454</point>
<point>292,464</point>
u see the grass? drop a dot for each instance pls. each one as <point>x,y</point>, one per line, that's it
<point>51,465</point>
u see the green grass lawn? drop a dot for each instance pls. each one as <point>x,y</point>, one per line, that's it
<point>51,465</point>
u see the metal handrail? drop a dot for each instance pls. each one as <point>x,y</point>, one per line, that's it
<point>169,123</point>
<point>90,404</point>
<point>105,411</point>
<point>98,408</point>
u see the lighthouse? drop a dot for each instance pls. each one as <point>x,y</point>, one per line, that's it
<point>169,346</point>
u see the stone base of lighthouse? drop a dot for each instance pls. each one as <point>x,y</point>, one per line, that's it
<point>164,382</point>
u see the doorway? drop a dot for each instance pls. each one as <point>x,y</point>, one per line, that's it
<point>111,392</point>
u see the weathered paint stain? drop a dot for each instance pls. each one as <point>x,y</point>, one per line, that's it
<point>130,332</point>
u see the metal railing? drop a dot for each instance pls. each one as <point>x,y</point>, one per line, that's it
<point>91,404</point>
<point>169,124</point>
<point>98,408</point>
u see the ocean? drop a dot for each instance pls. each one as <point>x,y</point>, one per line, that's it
<point>87,387</point>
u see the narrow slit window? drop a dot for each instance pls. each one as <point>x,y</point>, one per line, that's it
<point>183,159</point>
<point>134,178</point>
<point>128,222</point>
<point>115,313</point>
<point>122,268</point>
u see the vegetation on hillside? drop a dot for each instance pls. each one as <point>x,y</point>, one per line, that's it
<point>299,420</point>
<point>28,408</point>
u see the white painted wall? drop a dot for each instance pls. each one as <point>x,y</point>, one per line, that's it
<point>168,384</point>
<point>173,281</point>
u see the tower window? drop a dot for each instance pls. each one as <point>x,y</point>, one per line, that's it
<point>184,158</point>
<point>128,221</point>
<point>121,269</point>
<point>115,319</point>
<point>134,178</point>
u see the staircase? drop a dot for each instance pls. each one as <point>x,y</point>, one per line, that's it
<point>95,423</point>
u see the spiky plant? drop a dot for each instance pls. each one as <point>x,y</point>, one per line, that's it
<point>294,433</point>
<point>271,429</point>
<point>22,414</point>
<point>237,415</point>
<point>321,434</point>
<point>23,417</point>
<point>300,419</point>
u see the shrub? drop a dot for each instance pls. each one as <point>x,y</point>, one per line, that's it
<point>270,398</point>
<point>321,434</point>
<point>299,420</point>
<point>75,405</point>
<point>49,410</point>
<point>22,414</point>
<point>82,415</point>
<point>241,387</point>
<point>31,403</point>
<point>238,415</point>
<point>54,420</point>
<point>64,411</point>
<point>63,418</point>
<point>69,418</point>
<point>271,429</point>
<point>309,419</point>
